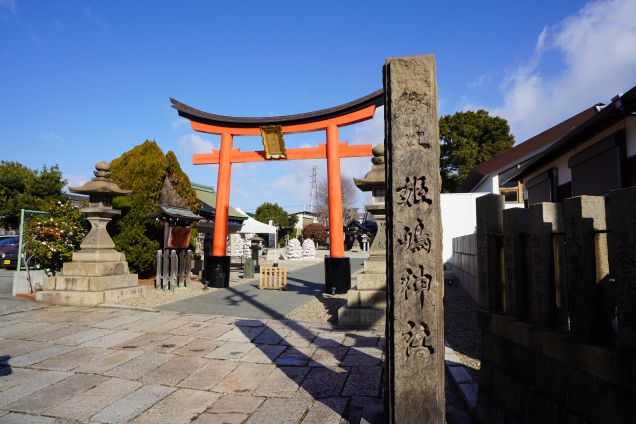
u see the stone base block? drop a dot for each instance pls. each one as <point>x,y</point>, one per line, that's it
<point>98,256</point>
<point>87,269</point>
<point>371,282</point>
<point>366,299</point>
<point>21,281</point>
<point>361,318</point>
<point>87,298</point>
<point>79,283</point>
<point>375,267</point>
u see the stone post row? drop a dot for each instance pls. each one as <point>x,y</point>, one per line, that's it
<point>623,262</point>
<point>489,244</point>
<point>587,269</point>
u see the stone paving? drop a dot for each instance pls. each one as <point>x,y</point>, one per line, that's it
<point>107,365</point>
<point>246,300</point>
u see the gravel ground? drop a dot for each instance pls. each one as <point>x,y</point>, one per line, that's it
<point>323,309</point>
<point>461,328</point>
<point>153,298</point>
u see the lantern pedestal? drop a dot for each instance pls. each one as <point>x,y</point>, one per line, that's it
<point>97,273</point>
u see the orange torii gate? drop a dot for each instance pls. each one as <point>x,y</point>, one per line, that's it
<point>337,269</point>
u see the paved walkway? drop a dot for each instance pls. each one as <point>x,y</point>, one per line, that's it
<point>246,300</point>
<point>117,365</point>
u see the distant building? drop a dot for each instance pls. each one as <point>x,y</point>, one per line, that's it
<point>207,200</point>
<point>592,159</point>
<point>494,175</point>
<point>304,218</point>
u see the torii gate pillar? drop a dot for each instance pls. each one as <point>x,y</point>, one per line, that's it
<point>337,266</point>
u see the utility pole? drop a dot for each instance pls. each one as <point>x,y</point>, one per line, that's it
<point>314,186</point>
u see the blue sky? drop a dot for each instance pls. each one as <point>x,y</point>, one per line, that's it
<point>84,81</point>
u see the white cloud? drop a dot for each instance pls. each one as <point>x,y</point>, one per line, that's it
<point>95,18</point>
<point>73,180</point>
<point>179,122</point>
<point>371,131</point>
<point>295,183</point>
<point>597,46</point>
<point>9,5</point>
<point>482,80</point>
<point>51,136</point>
<point>194,143</point>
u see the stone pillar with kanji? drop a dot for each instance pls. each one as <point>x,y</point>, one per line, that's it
<point>415,312</point>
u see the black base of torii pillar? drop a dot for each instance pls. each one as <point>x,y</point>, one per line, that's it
<point>337,275</point>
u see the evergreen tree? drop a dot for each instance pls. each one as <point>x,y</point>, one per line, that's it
<point>24,188</point>
<point>468,139</point>
<point>281,219</point>
<point>142,170</point>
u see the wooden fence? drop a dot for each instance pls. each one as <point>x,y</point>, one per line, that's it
<point>273,278</point>
<point>173,270</point>
<point>557,290</point>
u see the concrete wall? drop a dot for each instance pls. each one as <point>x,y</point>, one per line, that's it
<point>464,263</point>
<point>459,219</point>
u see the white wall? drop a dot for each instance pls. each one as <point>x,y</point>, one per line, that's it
<point>459,217</point>
<point>490,184</point>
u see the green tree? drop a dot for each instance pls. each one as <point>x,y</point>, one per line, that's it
<point>142,170</point>
<point>51,239</point>
<point>284,221</point>
<point>468,139</point>
<point>24,188</point>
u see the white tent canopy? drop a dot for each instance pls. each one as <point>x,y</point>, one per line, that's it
<point>252,226</point>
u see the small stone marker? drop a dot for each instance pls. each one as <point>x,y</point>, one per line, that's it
<point>584,218</point>
<point>415,324</point>
<point>624,262</point>
<point>546,220</point>
<point>489,241</point>
<point>515,283</point>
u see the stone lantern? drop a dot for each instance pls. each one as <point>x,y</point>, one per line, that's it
<point>98,273</point>
<point>366,301</point>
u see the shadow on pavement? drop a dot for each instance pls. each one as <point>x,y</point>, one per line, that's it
<point>5,368</point>
<point>348,383</point>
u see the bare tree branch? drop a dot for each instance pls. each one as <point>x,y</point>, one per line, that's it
<point>349,194</point>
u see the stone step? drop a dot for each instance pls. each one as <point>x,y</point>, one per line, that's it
<point>378,267</point>
<point>365,285</point>
<point>88,298</point>
<point>360,318</point>
<point>371,281</point>
<point>88,269</point>
<point>78,283</point>
<point>366,299</point>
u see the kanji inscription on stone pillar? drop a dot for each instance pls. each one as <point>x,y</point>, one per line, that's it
<point>415,313</point>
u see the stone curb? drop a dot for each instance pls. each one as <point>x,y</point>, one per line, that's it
<point>462,379</point>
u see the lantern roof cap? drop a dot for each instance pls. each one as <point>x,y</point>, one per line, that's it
<point>101,184</point>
